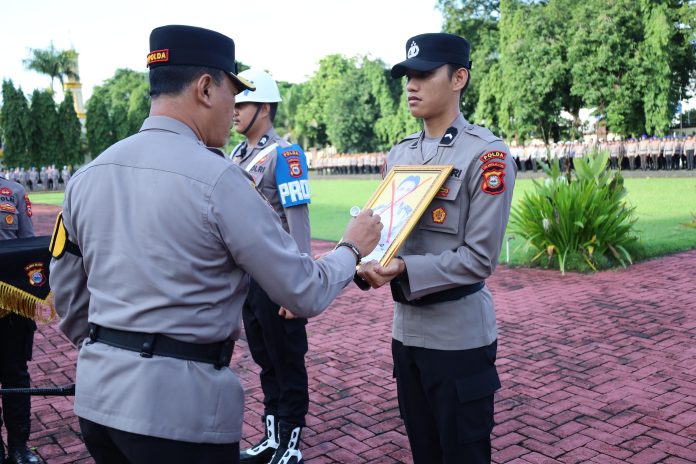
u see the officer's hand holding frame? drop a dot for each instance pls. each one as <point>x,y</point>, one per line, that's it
<point>363,231</point>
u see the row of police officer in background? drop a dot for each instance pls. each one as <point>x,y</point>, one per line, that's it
<point>46,178</point>
<point>647,153</point>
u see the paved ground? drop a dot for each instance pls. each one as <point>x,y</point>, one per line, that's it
<point>595,368</point>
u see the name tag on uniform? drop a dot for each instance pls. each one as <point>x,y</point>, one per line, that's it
<point>291,176</point>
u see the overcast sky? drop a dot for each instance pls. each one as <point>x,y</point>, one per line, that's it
<point>287,38</point>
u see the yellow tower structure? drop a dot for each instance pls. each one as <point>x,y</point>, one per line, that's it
<point>74,85</point>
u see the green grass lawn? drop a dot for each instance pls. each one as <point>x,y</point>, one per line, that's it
<point>663,207</point>
<point>47,198</point>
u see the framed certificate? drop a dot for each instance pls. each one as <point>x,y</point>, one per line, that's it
<point>400,201</point>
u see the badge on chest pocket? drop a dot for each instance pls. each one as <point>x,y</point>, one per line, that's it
<point>9,220</point>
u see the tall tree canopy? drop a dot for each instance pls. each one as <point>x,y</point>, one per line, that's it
<point>70,131</point>
<point>57,64</point>
<point>632,61</point>
<point>14,121</point>
<point>45,140</point>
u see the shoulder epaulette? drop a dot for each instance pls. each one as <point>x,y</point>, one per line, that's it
<point>482,133</point>
<point>409,137</point>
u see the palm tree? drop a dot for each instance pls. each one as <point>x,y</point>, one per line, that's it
<point>57,64</point>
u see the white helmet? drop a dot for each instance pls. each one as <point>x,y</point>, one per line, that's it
<point>266,88</point>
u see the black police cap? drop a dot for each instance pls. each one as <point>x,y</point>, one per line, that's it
<point>194,46</point>
<point>426,52</point>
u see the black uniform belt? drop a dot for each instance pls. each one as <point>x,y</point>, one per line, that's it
<point>437,297</point>
<point>148,345</point>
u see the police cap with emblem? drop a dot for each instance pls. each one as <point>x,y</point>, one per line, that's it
<point>194,46</point>
<point>426,52</point>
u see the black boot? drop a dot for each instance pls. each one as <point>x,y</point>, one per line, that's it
<point>288,451</point>
<point>21,455</point>
<point>2,452</point>
<point>263,451</point>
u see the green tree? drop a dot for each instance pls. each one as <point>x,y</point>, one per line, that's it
<point>127,101</point>
<point>70,131</point>
<point>119,121</point>
<point>57,64</point>
<point>390,126</point>
<point>476,21</point>
<point>311,113</point>
<point>603,53</point>
<point>285,119</point>
<point>666,60</point>
<point>138,107</point>
<point>44,143</point>
<point>350,114</point>
<point>14,121</point>
<point>98,125</point>
<point>532,69</point>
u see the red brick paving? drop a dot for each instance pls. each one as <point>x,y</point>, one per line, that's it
<point>595,369</point>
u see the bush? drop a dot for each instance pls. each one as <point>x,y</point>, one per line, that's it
<point>581,222</point>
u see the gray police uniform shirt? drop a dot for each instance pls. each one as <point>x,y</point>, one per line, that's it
<point>165,250</point>
<point>15,211</point>
<point>457,240</point>
<point>296,218</point>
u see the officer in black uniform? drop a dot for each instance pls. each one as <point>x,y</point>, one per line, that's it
<point>16,334</point>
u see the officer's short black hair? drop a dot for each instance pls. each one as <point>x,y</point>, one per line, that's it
<point>451,69</point>
<point>172,80</point>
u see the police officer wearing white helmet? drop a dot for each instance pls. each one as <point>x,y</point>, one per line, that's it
<point>277,340</point>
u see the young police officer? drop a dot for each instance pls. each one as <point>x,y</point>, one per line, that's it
<point>277,340</point>
<point>152,256</point>
<point>444,331</point>
<point>16,334</point>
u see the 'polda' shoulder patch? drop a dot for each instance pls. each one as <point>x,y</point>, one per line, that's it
<point>492,155</point>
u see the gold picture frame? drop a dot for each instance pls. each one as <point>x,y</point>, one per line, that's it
<point>400,200</point>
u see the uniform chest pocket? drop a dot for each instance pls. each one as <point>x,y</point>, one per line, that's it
<point>9,220</point>
<point>443,213</point>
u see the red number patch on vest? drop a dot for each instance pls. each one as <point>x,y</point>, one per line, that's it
<point>439,215</point>
<point>26,199</point>
<point>492,155</point>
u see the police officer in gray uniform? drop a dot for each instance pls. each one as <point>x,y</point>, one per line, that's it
<point>444,330</point>
<point>277,340</point>
<point>150,275</point>
<point>16,335</point>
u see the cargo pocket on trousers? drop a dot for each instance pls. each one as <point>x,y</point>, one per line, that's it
<point>293,325</point>
<point>475,406</point>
